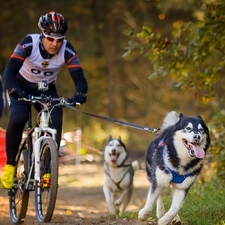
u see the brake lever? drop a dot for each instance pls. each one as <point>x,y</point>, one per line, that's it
<point>69,101</point>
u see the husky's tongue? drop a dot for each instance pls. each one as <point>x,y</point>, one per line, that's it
<point>199,152</point>
<point>113,158</point>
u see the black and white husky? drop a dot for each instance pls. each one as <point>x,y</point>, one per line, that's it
<point>174,157</point>
<point>118,175</point>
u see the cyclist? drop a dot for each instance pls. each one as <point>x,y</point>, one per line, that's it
<point>36,62</point>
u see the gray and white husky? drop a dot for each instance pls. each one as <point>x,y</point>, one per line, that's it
<point>118,175</point>
<point>174,157</point>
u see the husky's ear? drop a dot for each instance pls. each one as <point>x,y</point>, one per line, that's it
<point>181,115</point>
<point>119,138</point>
<point>110,138</point>
<point>199,116</point>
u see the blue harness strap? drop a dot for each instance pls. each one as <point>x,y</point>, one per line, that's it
<point>176,178</point>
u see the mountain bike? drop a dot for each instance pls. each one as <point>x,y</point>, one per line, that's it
<point>37,164</point>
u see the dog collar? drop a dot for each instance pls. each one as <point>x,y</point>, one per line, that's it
<point>176,178</point>
<point>121,165</point>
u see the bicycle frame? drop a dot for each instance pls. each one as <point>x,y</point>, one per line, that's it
<point>43,127</point>
<point>35,158</point>
<point>37,164</point>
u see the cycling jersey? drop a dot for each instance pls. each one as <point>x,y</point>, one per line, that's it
<point>35,68</point>
<point>33,63</point>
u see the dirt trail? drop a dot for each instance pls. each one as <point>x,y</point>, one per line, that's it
<point>81,200</point>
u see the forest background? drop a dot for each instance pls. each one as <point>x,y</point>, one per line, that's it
<point>141,59</point>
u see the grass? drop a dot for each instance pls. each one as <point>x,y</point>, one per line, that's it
<point>204,205</point>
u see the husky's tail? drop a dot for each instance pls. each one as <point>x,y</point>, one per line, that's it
<point>135,165</point>
<point>170,119</point>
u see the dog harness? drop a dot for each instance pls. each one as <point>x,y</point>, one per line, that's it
<point>118,183</point>
<point>176,178</point>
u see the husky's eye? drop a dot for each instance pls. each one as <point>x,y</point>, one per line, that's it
<point>188,129</point>
<point>201,130</point>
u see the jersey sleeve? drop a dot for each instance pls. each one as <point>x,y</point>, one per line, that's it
<point>23,49</point>
<point>71,58</point>
<point>20,53</point>
<point>75,69</point>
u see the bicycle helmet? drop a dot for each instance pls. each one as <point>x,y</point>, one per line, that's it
<point>53,22</point>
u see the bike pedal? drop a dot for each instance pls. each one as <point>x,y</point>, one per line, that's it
<point>31,187</point>
<point>10,192</point>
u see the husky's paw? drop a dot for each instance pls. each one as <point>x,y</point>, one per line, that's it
<point>142,215</point>
<point>165,220</point>
<point>112,210</point>
<point>121,213</point>
<point>176,221</point>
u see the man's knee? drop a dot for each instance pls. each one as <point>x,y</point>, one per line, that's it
<point>18,114</point>
<point>18,119</point>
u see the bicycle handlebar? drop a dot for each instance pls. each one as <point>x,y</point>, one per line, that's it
<point>45,99</point>
<point>49,99</point>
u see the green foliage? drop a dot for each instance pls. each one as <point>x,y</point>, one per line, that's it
<point>218,142</point>
<point>193,56</point>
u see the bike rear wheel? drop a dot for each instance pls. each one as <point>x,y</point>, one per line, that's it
<point>46,189</point>
<point>18,196</point>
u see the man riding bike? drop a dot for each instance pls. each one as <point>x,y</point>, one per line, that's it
<point>33,68</point>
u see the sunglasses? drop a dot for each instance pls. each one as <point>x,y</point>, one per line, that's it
<point>51,39</point>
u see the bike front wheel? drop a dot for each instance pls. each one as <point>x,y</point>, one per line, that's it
<point>46,189</point>
<point>18,195</point>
